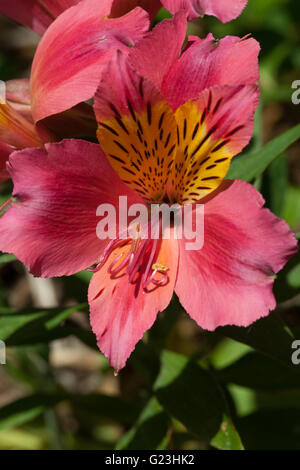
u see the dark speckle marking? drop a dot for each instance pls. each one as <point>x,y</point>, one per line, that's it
<point>161,120</point>
<point>184,129</point>
<point>234,131</point>
<point>210,167</point>
<point>195,130</point>
<point>130,107</point>
<point>220,145</point>
<point>149,114</point>
<point>118,159</point>
<point>207,178</point>
<point>220,160</point>
<point>121,146</point>
<point>110,129</point>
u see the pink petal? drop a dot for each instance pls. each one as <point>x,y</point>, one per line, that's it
<point>18,129</point>
<point>229,281</point>
<point>69,61</point>
<point>132,118</point>
<point>205,63</point>
<point>211,131</point>
<point>18,96</point>
<point>51,227</point>
<point>121,312</point>
<point>120,7</point>
<point>15,130</point>
<point>229,114</point>
<point>225,10</point>
<point>160,49</point>
<point>35,14</point>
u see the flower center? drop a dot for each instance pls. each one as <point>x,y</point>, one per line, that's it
<point>164,154</point>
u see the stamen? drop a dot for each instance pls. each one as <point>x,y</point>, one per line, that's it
<point>141,251</point>
<point>121,265</point>
<point>161,269</point>
<point>106,253</point>
<point>152,256</point>
<point>137,260</point>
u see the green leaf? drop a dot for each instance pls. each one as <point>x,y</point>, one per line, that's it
<point>293,277</point>
<point>288,281</point>
<point>26,409</point>
<point>110,407</point>
<point>268,336</point>
<point>251,165</point>
<point>164,323</point>
<point>84,276</point>
<point>271,430</point>
<point>150,430</point>
<point>275,183</point>
<point>291,208</point>
<point>260,373</point>
<point>145,358</point>
<point>6,258</point>
<point>27,328</point>
<point>227,438</point>
<point>191,395</point>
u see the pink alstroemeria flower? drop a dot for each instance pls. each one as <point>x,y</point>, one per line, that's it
<point>66,71</point>
<point>224,10</point>
<point>17,130</point>
<point>169,132</point>
<point>69,60</point>
<point>73,51</point>
<point>39,14</point>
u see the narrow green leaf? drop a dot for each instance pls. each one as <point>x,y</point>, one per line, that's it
<point>26,409</point>
<point>21,328</point>
<point>251,165</point>
<point>275,184</point>
<point>150,430</point>
<point>291,208</point>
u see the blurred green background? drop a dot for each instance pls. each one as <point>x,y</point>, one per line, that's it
<point>183,388</point>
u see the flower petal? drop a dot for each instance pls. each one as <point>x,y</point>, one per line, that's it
<point>51,225</point>
<point>72,58</point>
<point>207,62</point>
<point>18,96</point>
<point>137,129</point>
<point>153,56</point>
<point>121,312</point>
<point>39,14</point>
<point>225,10</point>
<point>211,131</point>
<point>36,14</point>
<point>15,130</point>
<point>229,281</point>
